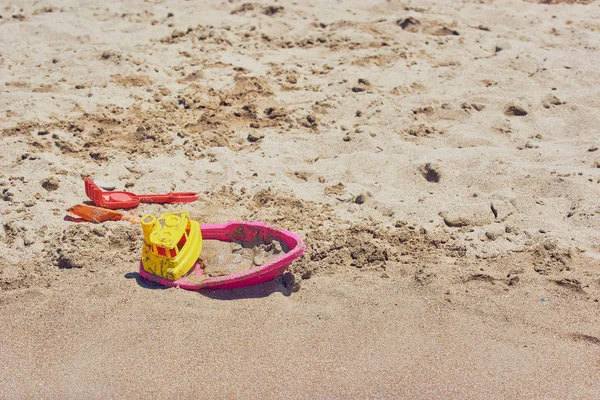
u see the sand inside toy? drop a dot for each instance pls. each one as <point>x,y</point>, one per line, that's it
<point>225,258</point>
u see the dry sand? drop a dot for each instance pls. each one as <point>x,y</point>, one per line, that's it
<point>440,160</point>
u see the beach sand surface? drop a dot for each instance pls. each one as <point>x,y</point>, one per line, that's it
<point>439,159</point>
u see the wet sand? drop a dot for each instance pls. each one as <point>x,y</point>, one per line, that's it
<point>225,258</point>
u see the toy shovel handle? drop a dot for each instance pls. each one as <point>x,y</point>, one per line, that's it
<point>173,197</point>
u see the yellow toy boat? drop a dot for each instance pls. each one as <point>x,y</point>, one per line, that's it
<point>172,244</point>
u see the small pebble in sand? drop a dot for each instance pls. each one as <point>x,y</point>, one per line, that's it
<point>515,110</point>
<point>360,199</point>
<point>431,172</point>
<point>105,185</point>
<point>408,22</point>
<point>472,214</point>
<point>551,100</point>
<point>177,33</point>
<point>50,184</point>
<point>292,78</point>
<point>272,10</point>
<point>531,145</point>
<point>99,155</point>
<point>494,232</point>
<point>593,148</point>
<point>255,136</point>
<point>500,46</point>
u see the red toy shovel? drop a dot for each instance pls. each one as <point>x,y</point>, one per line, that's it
<point>119,199</point>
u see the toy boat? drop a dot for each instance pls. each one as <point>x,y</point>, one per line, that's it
<point>172,244</point>
<point>167,261</point>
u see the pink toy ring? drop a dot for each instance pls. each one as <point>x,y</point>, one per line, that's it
<point>242,231</point>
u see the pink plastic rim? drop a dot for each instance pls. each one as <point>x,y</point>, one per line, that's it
<point>243,231</point>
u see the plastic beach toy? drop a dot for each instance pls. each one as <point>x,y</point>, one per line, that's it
<point>120,199</point>
<point>97,214</point>
<point>172,244</point>
<point>170,266</point>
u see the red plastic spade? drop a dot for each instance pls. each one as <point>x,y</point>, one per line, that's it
<point>120,199</point>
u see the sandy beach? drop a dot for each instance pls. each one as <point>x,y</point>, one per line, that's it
<point>439,159</point>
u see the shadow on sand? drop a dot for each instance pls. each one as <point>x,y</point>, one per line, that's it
<point>285,285</point>
<point>146,284</point>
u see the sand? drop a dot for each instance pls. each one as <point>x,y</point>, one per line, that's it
<point>226,258</point>
<point>439,159</point>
